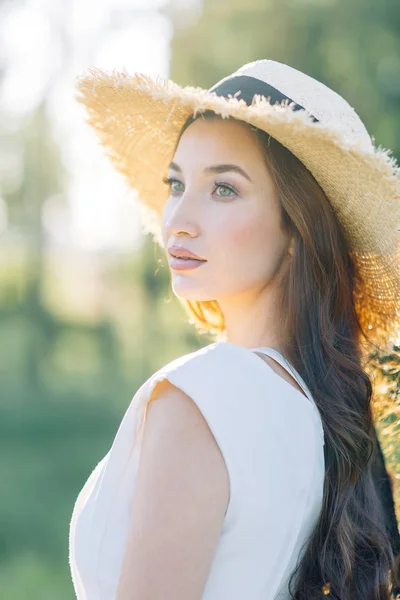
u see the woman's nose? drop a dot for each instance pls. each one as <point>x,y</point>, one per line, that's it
<point>181,220</point>
<point>176,228</point>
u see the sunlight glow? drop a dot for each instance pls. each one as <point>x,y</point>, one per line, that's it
<point>47,44</point>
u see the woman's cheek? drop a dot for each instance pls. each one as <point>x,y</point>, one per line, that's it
<point>244,235</point>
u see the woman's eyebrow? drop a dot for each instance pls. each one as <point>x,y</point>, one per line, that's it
<point>217,169</point>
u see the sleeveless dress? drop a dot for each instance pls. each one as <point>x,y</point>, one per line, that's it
<point>272,440</point>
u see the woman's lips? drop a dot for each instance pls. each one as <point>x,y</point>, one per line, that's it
<point>184,264</point>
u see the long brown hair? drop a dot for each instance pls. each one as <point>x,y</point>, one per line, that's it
<point>350,548</point>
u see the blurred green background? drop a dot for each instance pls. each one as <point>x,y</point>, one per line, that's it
<point>81,329</point>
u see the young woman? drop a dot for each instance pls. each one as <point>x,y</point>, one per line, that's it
<point>251,469</point>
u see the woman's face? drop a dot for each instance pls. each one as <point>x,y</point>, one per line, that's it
<point>223,207</point>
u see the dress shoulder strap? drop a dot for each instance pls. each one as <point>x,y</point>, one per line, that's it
<point>286,365</point>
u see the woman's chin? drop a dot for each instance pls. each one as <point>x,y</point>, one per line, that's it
<point>191,293</point>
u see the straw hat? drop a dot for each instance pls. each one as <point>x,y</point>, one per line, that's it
<point>138,118</point>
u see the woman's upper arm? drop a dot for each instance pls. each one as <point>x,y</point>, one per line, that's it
<point>180,499</point>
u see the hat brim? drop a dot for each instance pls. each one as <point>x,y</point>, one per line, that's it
<point>138,119</point>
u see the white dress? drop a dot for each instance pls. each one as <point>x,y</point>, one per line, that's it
<point>272,440</point>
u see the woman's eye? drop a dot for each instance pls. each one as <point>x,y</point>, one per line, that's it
<point>173,183</point>
<point>226,191</point>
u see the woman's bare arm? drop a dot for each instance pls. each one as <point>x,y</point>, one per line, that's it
<point>181,496</point>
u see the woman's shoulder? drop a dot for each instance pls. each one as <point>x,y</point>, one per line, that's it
<point>195,358</point>
<point>194,355</point>
<point>222,361</point>
<point>218,353</point>
<point>234,372</point>
<point>235,380</point>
